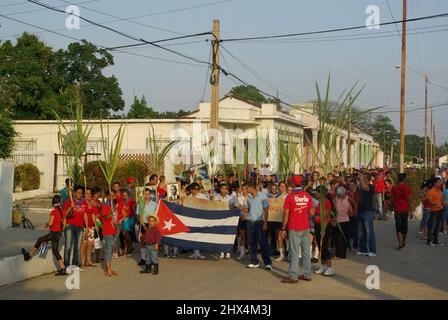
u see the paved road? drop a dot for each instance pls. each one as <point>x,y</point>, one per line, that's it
<point>417,273</point>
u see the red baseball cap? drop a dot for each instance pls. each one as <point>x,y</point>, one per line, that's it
<point>130,180</point>
<point>297,180</point>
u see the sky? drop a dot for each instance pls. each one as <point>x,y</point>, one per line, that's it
<point>290,67</point>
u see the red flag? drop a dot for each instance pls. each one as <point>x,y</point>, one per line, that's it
<point>169,223</point>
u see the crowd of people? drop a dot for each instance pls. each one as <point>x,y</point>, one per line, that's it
<point>324,218</point>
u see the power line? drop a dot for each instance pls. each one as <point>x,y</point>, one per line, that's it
<point>288,35</point>
<point>77,39</point>
<point>37,10</point>
<point>123,33</point>
<point>393,18</point>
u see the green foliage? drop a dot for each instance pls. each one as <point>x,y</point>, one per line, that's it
<point>39,79</point>
<point>158,154</point>
<point>7,134</point>
<point>250,93</point>
<point>138,170</point>
<point>95,176</point>
<point>141,110</point>
<point>28,176</point>
<point>414,180</point>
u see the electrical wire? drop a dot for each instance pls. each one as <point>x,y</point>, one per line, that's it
<point>288,35</point>
<point>38,10</point>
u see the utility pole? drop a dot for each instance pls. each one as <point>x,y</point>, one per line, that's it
<point>434,145</point>
<point>403,87</point>
<point>214,77</point>
<point>426,122</point>
<point>432,141</point>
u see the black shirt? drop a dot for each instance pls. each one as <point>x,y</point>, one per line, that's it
<point>366,199</point>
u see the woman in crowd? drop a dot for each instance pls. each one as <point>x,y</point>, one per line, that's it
<point>323,237</point>
<point>56,225</point>
<point>353,198</point>
<point>161,188</point>
<point>241,229</point>
<point>89,230</point>
<point>283,193</point>
<point>75,214</point>
<point>343,213</point>
<point>426,204</point>
<point>127,209</point>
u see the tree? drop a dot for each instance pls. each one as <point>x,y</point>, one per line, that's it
<point>140,110</point>
<point>383,132</point>
<point>7,134</point>
<point>250,93</point>
<point>43,79</point>
<point>414,147</point>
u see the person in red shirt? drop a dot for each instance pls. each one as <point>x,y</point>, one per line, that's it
<point>298,207</point>
<point>126,214</point>
<point>379,187</point>
<point>161,187</point>
<point>401,199</point>
<point>55,224</point>
<point>75,214</point>
<point>109,231</point>
<point>89,230</point>
<point>152,239</point>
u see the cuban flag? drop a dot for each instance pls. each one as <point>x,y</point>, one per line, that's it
<point>206,230</point>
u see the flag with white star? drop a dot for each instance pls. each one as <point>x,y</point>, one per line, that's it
<point>207,230</point>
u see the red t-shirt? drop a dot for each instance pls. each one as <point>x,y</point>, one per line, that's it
<point>57,220</point>
<point>108,224</point>
<point>401,194</point>
<point>77,218</point>
<point>92,212</point>
<point>161,191</point>
<point>379,185</point>
<point>328,209</point>
<point>299,205</point>
<point>126,209</point>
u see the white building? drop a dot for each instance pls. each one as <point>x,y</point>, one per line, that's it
<point>38,139</point>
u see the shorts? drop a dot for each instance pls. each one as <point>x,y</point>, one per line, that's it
<point>90,234</point>
<point>274,226</point>
<point>128,224</point>
<point>401,222</point>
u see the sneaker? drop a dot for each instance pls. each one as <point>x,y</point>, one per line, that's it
<point>200,256</point>
<point>371,254</point>
<point>329,272</point>
<point>61,272</point>
<point>174,256</point>
<point>359,253</point>
<point>222,255</point>
<point>227,255</point>
<point>166,255</point>
<point>268,267</point>
<point>194,256</point>
<point>314,260</point>
<point>280,258</point>
<point>26,255</point>
<point>141,263</point>
<point>321,270</point>
<point>253,266</point>
<point>240,257</point>
<point>432,244</point>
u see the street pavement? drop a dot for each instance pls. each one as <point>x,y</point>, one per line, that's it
<point>419,272</point>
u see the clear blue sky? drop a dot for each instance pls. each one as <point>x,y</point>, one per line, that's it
<point>293,67</point>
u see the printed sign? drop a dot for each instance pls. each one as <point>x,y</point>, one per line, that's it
<point>201,204</point>
<point>276,209</point>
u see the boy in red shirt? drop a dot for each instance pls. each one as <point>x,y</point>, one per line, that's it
<point>401,198</point>
<point>298,207</point>
<point>55,225</point>
<point>152,239</point>
<point>109,232</point>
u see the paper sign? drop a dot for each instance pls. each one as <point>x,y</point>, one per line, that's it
<point>276,209</point>
<point>202,204</point>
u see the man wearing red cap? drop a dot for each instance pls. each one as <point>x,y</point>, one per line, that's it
<point>130,185</point>
<point>298,208</point>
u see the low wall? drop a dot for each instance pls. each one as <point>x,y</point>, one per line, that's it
<point>17,196</point>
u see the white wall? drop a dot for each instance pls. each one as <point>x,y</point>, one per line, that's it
<point>6,189</point>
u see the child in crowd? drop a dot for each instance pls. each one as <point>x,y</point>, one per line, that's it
<point>56,225</point>
<point>152,239</point>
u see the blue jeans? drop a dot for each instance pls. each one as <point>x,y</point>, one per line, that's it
<point>299,239</point>
<point>73,235</point>
<point>256,236</point>
<point>378,201</point>
<point>445,215</point>
<point>366,232</point>
<point>108,248</point>
<point>151,255</point>
<point>425,219</point>
<point>354,234</point>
